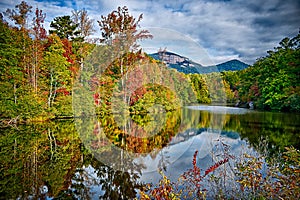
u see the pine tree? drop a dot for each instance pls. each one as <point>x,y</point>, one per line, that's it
<point>65,28</point>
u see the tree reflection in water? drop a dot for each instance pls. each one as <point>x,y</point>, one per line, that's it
<point>63,160</point>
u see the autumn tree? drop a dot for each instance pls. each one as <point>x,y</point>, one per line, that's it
<point>35,70</point>
<point>20,15</point>
<point>31,48</point>
<point>55,69</point>
<point>38,29</point>
<point>19,62</point>
<point>85,24</point>
<point>120,28</point>
<point>16,94</point>
<point>85,28</point>
<point>39,33</point>
<point>120,32</point>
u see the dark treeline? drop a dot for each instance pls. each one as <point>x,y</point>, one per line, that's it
<point>38,70</point>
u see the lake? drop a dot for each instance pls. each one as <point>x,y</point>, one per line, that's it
<point>113,156</point>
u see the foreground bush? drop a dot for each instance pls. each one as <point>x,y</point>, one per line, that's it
<point>254,178</point>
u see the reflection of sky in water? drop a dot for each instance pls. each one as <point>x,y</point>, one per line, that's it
<point>180,155</point>
<point>177,158</point>
<point>200,132</point>
<point>221,109</point>
<point>90,180</point>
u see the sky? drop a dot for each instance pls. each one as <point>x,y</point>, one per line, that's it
<point>206,31</point>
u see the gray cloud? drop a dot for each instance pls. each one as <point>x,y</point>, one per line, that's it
<point>226,29</point>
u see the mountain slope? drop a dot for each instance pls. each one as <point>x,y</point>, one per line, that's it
<point>185,65</point>
<point>232,65</point>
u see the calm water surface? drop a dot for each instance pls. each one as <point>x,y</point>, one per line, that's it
<point>111,157</point>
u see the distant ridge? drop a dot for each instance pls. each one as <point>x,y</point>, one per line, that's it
<point>232,65</point>
<point>187,66</point>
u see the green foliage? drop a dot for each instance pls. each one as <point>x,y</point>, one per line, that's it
<point>273,81</point>
<point>231,81</point>
<point>10,54</point>
<point>200,87</point>
<point>43,154</point>
<point>232,78</point>
<point>65,28</point>
<point>216,87</point>
<point>17,98</point>
<point>156,94</point>
<point>55,69</point>
<point>29,106</point>
<point>63,106</point>
<point>293,102</point>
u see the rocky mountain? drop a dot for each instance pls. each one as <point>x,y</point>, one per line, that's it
<point>185,65</point>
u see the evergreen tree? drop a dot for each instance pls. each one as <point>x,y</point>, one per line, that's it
<point>64,27</point>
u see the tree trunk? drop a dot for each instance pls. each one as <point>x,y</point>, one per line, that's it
<point>15,93</point>
<point>54,95</point>
<point>50,92</point>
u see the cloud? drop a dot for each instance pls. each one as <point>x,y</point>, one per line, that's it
<point>176,42</point>
<point>225,29</point>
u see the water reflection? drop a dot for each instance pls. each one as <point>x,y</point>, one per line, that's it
<point>221,109</point>
<point>36,157</point>
<point>61,159</point>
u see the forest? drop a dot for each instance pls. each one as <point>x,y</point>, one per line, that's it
<point>65,74</point>
<point>39,71</point>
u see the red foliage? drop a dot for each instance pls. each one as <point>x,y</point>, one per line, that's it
<point>193,176</point>
<point>74,69</point>
<point>38,28</point>
<point>137,94</point>
<point>215,166</point>
<point>68,50</point>
<point>97,98</point>
<point>63,90</point>
<point>48,43</point>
